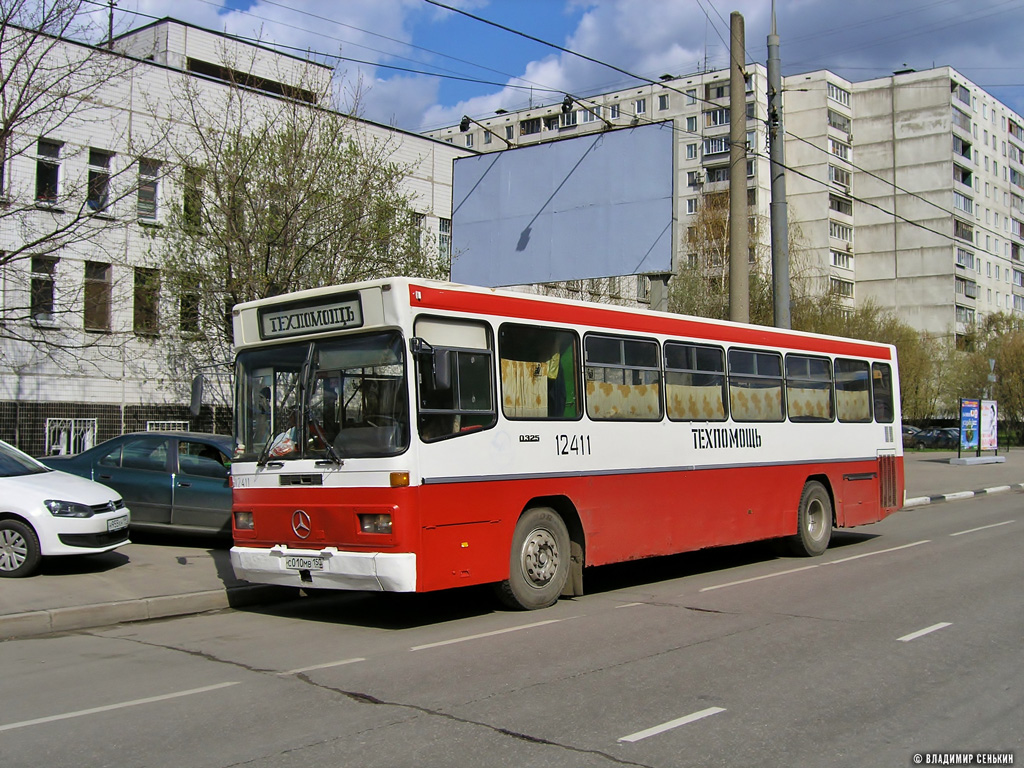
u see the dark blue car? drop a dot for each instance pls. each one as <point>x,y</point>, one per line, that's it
<point>937,437</point>
<point>170,480</point>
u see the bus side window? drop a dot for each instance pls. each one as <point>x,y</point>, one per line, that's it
<point>539,372</point>
<point>694,382</point>
<point>623,378</point>
<point>755,385</point>
<point>809,388</point>
<point>454,383</point>
<point>881,388</point>
<point>853,403</point>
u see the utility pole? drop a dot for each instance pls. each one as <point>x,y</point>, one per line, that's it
<point>739,269</point>
<point>110,24</point>
<point>779,211</point>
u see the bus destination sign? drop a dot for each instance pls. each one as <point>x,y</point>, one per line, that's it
<point>293,320</point>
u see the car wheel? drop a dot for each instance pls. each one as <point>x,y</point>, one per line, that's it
<point>539,563</point>
<point>19,549</point>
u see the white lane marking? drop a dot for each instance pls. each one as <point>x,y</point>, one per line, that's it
<point>110,707</point>
<point>982,528</point>
<point>672,724</point>
<point>483,634</point>
<point>877,552</point>
<point>758,578</point>
<point>628,605</point>
<point>319,666</point>
<point>925,631</point>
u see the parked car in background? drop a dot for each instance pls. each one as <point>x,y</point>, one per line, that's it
<point>909,431</point>
<point>937,437</point>
<point>45,513</point>
<point>170,480</point>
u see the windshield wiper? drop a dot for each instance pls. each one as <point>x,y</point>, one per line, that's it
<point>332,454</point>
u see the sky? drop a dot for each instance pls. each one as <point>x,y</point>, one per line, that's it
<point>417,66</point>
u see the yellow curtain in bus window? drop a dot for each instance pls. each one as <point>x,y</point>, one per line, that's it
<point>524,386</point>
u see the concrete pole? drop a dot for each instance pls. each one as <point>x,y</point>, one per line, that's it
<point>779,211</point>
<point>739,270</point>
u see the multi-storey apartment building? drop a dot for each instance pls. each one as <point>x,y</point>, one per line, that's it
<point>906,190</point>
<point>81,357</point>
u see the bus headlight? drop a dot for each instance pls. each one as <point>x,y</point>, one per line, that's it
<point>375,523</point>
<point>243,521</point>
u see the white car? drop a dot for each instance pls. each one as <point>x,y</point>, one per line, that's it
<point>44,512</point>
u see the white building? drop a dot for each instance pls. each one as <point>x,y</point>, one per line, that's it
<point>906,190</point>
<point>78,362</point>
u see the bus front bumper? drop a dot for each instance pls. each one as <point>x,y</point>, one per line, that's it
<point>326,568</point>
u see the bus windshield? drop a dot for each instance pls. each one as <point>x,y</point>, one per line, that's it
<point>329,400</point>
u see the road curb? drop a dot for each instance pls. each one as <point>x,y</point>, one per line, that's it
<point>921,501</point>
<point>36,623</point>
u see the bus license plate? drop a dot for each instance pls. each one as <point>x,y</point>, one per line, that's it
<point>117,523</point>
<point>304,563</point>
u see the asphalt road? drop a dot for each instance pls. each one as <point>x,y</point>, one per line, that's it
<point>904,639</point>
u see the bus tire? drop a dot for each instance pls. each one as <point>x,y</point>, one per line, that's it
<point>814,522</point>
<point>539,563</point>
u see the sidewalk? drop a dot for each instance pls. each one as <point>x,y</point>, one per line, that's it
<point>157,577</point>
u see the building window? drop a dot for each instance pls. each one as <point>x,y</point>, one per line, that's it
<point>527,127</point>
<point>838,121</point>
<point>691,96</point>
<point>838,94</point>
<point>640,106</point>
<point>839,176</point>
<point>691,151</point>
<point>962,93</point>
<point>469,140</point>
<point>967,288</point>
<point>487,137</point>
<point>691,124</point>
<point>691,205</point>
<point>963,230</point>
<point>716,117</point>
<point>842,260</point>
<point>551,123</point>
<point>44,272</point>
<point>717,91</point>
<point>716,145</point>
<point>841,287</point>
<point>98,193</point>
<point>149,179</point>
<point>840,205</point>
<point>47,171</point>
<point>963,203</point>
<point>718,174</point>
<point>509,132</point>
<point>839,149</point>
<point>964,315</point>
<point>192,199</point>
<point>146,307</point>
<point>663,102</point>
<point>188,313</point>
<point>97,296</point>
<point>444,238</point>
<point>965,259</point>
<point>961,119</point>
<point>569,118</point>
<point>840,231</point>
<point>590,114</point>
<point>613,111</point>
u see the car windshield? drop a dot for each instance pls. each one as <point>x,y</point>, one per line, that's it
<point>330,400</point>
<point>14,463</point>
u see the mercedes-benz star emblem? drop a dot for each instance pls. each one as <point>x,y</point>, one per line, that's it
<point>301,524</point>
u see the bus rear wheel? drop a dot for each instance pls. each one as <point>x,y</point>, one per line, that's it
<point>814,522</point>
<point>539,563</point>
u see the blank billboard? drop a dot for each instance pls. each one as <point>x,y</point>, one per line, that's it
<point>598,205</point>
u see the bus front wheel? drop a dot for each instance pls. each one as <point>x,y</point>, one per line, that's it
<point>539,563</point>
<point>814,522</point>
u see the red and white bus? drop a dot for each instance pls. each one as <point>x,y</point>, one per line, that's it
<point>409,435</point>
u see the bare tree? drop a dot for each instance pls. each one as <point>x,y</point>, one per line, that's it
<point>52,87</point>
<point>278,194</point>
